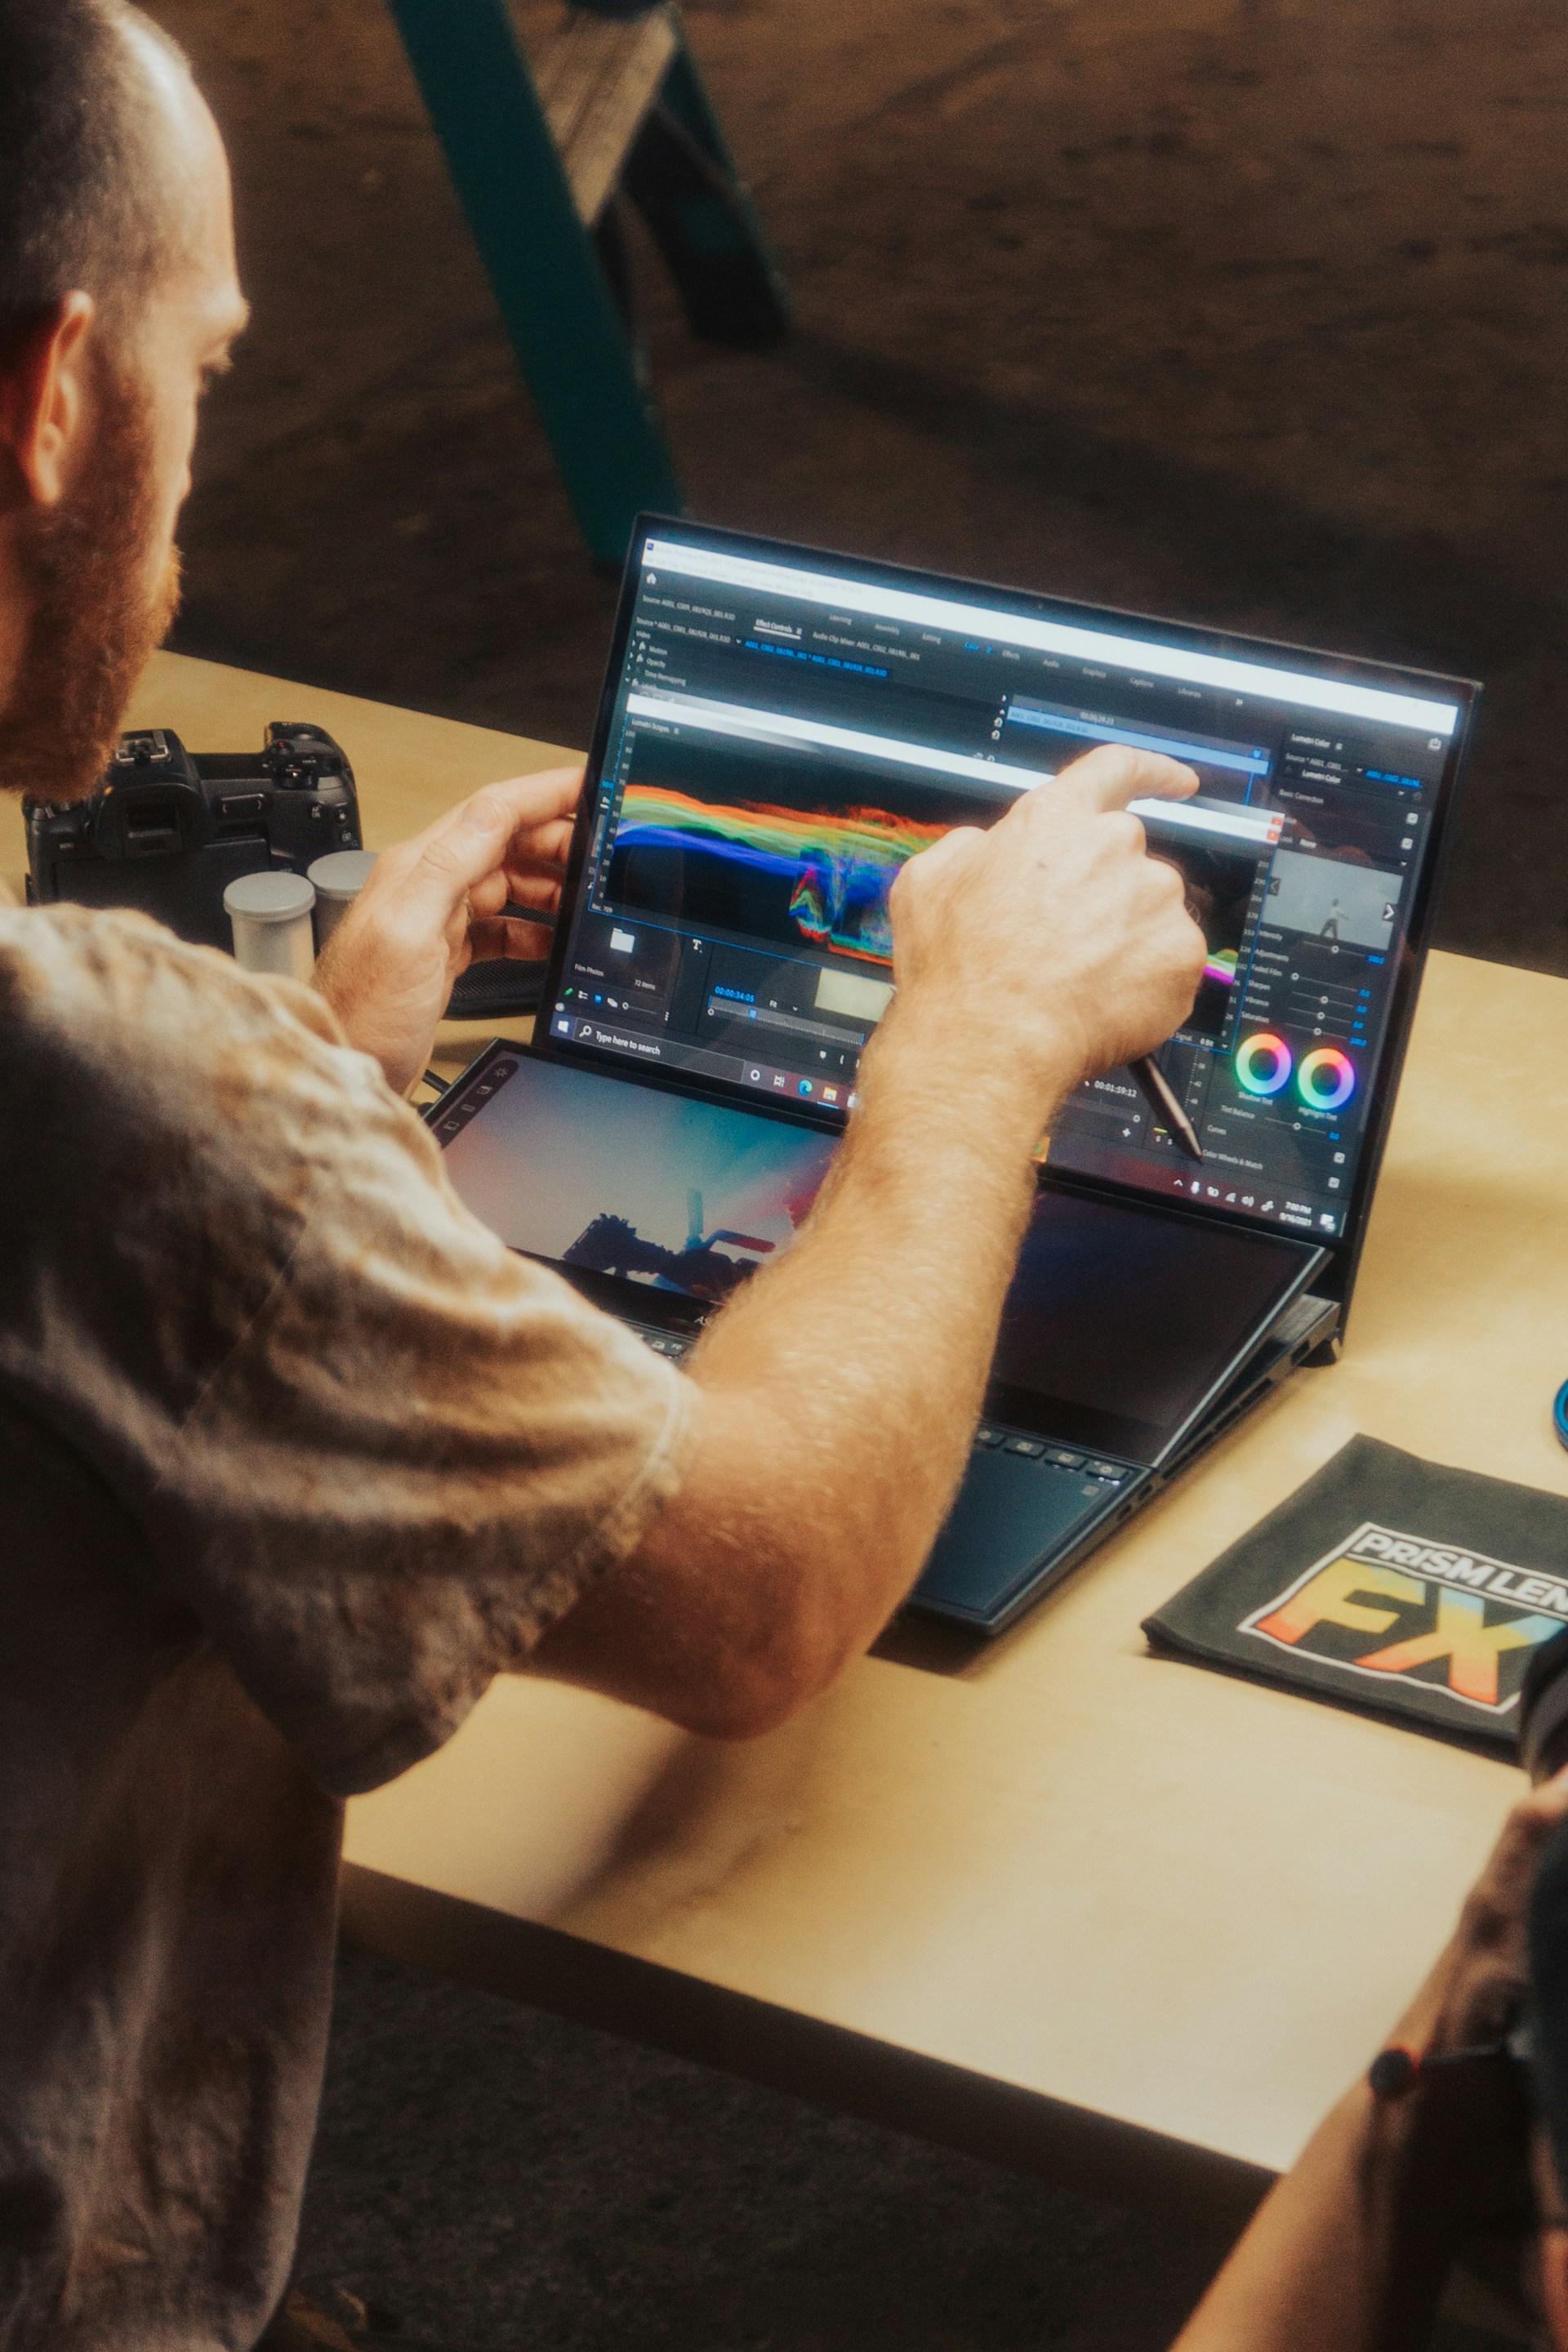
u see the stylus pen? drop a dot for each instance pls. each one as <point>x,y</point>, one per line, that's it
<point>1157,1094</point>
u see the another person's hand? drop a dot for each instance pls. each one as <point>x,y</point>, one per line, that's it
<point>1476,1990</point>
<point>1472,2117</point>
<point>433,906</point>
<point>1350,2250</point>
<point>1455,2151</point>
<point>1051,945</point>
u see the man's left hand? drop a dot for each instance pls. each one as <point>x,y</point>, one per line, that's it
<point>433,906</point>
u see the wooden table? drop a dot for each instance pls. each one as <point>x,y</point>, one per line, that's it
<point>1057,1901</point>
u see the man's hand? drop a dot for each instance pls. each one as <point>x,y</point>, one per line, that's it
<point>433,906</point>
<point>1052,945</point>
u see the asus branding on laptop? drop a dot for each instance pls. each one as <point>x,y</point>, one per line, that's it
<point>779,731</point>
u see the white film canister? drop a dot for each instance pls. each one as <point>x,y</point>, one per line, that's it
<point>270,917</point>
<point>339,877</point>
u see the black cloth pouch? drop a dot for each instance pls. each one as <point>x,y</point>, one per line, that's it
<point>1390,1584</point>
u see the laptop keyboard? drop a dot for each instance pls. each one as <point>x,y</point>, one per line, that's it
<point>989,1439</point>
<point>663,1343</point>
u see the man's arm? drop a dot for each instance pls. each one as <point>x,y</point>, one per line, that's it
<point>1351,2251</point>
<point>837,1396</point>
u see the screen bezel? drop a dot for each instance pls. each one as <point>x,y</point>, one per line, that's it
<point>1341,1251</point>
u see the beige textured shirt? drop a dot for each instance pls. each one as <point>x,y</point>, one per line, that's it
<point>294,1457</point>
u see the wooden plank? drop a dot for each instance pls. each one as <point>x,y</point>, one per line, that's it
<point>597,79</point>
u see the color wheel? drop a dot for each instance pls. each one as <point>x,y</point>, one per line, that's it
<point>1263,1064</point>
<point>1326,1079</point>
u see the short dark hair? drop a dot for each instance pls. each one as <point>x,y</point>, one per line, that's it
<point>82,203</point>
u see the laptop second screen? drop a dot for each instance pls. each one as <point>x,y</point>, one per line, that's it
<point>1119,1324</point>
<point>784,730</point>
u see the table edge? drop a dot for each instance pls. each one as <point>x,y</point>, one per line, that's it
<point>831,2066</point>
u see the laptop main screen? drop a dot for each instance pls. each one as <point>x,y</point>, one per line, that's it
<point>785,729</point>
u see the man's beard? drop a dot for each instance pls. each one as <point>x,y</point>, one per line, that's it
<point>93,623</point>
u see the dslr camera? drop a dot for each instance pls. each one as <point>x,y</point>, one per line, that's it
<point>167,831</point>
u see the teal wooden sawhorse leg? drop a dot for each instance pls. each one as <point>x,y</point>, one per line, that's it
<point>570,341</point>
<point>683,180</point>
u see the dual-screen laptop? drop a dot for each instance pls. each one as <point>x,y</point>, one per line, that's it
<point>780,729</point>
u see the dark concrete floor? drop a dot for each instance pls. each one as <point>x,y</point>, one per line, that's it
<point>489,2179</point>
<point>500,2182</point>
<point>1252,310</point>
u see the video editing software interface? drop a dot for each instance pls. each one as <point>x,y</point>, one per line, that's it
<point>786,735</point>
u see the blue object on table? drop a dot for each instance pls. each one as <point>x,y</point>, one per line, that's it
<point>1560,1413</point>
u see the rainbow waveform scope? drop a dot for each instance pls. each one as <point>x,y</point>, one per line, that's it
<point>839,865</point>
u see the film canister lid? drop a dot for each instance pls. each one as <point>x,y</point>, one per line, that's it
<point>339,877</point>
<point>343,873</point>
<point>270,898</point>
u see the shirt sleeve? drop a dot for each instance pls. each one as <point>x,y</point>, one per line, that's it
<point>375,1452</point>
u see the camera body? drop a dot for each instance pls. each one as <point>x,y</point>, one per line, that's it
<point>166,831</point>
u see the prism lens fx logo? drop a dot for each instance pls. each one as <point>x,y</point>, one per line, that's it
<point>1399,1607</point>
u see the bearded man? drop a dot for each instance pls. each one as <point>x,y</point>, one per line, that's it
<point>296,1456</point>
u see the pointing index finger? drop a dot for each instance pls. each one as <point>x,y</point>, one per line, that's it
<point>1110,776</point>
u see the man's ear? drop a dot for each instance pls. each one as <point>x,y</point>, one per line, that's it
<point>44,404</point>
